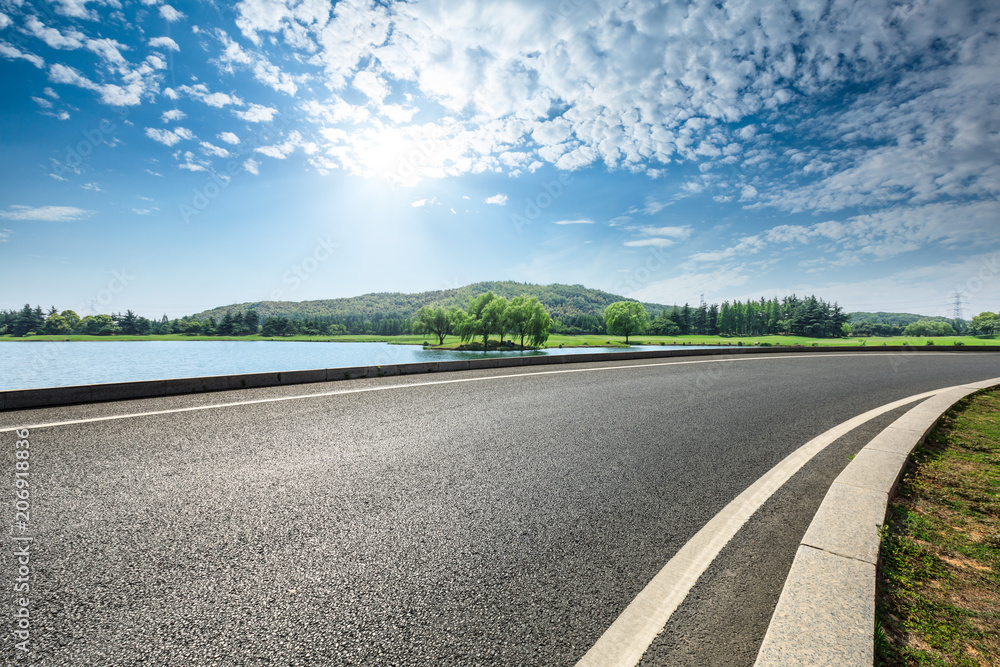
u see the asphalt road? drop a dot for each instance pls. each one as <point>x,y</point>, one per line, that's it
<point>504,520</point>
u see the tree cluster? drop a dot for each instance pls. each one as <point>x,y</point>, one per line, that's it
<point>929,328</point>
<point>523,318</point>
<point>809,316</point>
<point>985,324</point>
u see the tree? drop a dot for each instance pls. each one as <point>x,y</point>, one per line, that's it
<point>663,325</point>
<point>985,324</point>
<point>29,320</point>
<point>495,317</point>
<point>437,321</point>
<point>481,319</point>
<point>683,319</point>
<point>129,323</point>
<point>72,319</point>
<point>527,318</point>
<point>625,318</point>
<point>538,326</point>
<point>929,328</point>
<point>251,320</point>
<point>56,325</point>
<point>98,325</point>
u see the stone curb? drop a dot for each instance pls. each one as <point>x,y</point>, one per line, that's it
<point>18,399</point>
<point>826,612</point>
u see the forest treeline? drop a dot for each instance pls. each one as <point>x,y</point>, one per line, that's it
<point>574,309</point>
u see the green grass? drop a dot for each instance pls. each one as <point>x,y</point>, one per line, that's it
<point>569,341</point>
<point>938,590</point>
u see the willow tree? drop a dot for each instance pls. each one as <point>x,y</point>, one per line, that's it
<point>486,316</point>
<point>438,321</point>
<point>527,318</point>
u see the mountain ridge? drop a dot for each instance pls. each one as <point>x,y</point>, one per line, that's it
<point>562,301</point>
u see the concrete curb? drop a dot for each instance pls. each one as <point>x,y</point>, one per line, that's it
<point>826,612</point>
<point>19,399</point>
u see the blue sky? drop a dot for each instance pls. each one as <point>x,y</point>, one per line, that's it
<point>170,158</point>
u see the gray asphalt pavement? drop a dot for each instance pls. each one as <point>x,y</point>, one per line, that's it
<point>498,521</point>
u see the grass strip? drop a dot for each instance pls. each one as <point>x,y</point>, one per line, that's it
<point>938,584</point>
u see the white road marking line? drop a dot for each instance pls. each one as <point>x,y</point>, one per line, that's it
<point>626,641</point>
<point>216,406</point>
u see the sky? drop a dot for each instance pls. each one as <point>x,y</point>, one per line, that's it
<point>170,158</point>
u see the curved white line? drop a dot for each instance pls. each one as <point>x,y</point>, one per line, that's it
<point>624,643</point>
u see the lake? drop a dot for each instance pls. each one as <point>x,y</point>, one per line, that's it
<point>31,364</point>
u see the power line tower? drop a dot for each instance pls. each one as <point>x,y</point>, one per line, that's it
<point>958,302</point>
<point>701,301</point>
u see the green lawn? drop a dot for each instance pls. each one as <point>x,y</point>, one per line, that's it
<point>938,599</point>
<point>557,340</point>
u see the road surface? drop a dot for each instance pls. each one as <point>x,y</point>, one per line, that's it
<point>502,516</point>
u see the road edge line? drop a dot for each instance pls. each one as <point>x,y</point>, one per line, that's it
<point>826,611</point>
<point>625,642</point>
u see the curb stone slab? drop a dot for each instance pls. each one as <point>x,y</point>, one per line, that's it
<point>826,612</point>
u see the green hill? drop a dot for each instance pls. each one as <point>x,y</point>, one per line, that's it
<point>895,319</point>
<point>562,301</point>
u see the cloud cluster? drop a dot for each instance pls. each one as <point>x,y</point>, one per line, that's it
<point>781,104</point>
<point>45,213</point>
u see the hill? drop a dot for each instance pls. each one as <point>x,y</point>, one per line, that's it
<point>564,302</point>
<point>895,319</point>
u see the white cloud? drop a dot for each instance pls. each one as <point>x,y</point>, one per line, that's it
<point>42,102</point>
<point>200,92</point>
<point>582,221</point>
<point>5,235</point>
<point>164,43</point>
<point>170,14</point>
<point>14,53</point>
<point>169,137</point>
<point>193,163</point>
<point>212,149</point>
<point>78,8</point>
<point>284,149</point>
<point>93,187</point>
<point>172,115</point>
<point>111,94</point>
<point>655,242</point>
<point>252,166</point>
<point>4,21</point>
<point>498,199</point>
<point>257,113</point>
<point>143,211</point>
<point>108,49</point>
<point>679,233</point>
<point>264,70</point>
<point>423,202</point>
<point>45,213</point>
<point>229,138</point>
<point>53,38</point>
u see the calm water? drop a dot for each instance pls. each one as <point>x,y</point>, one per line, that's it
<point>25,365</point>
